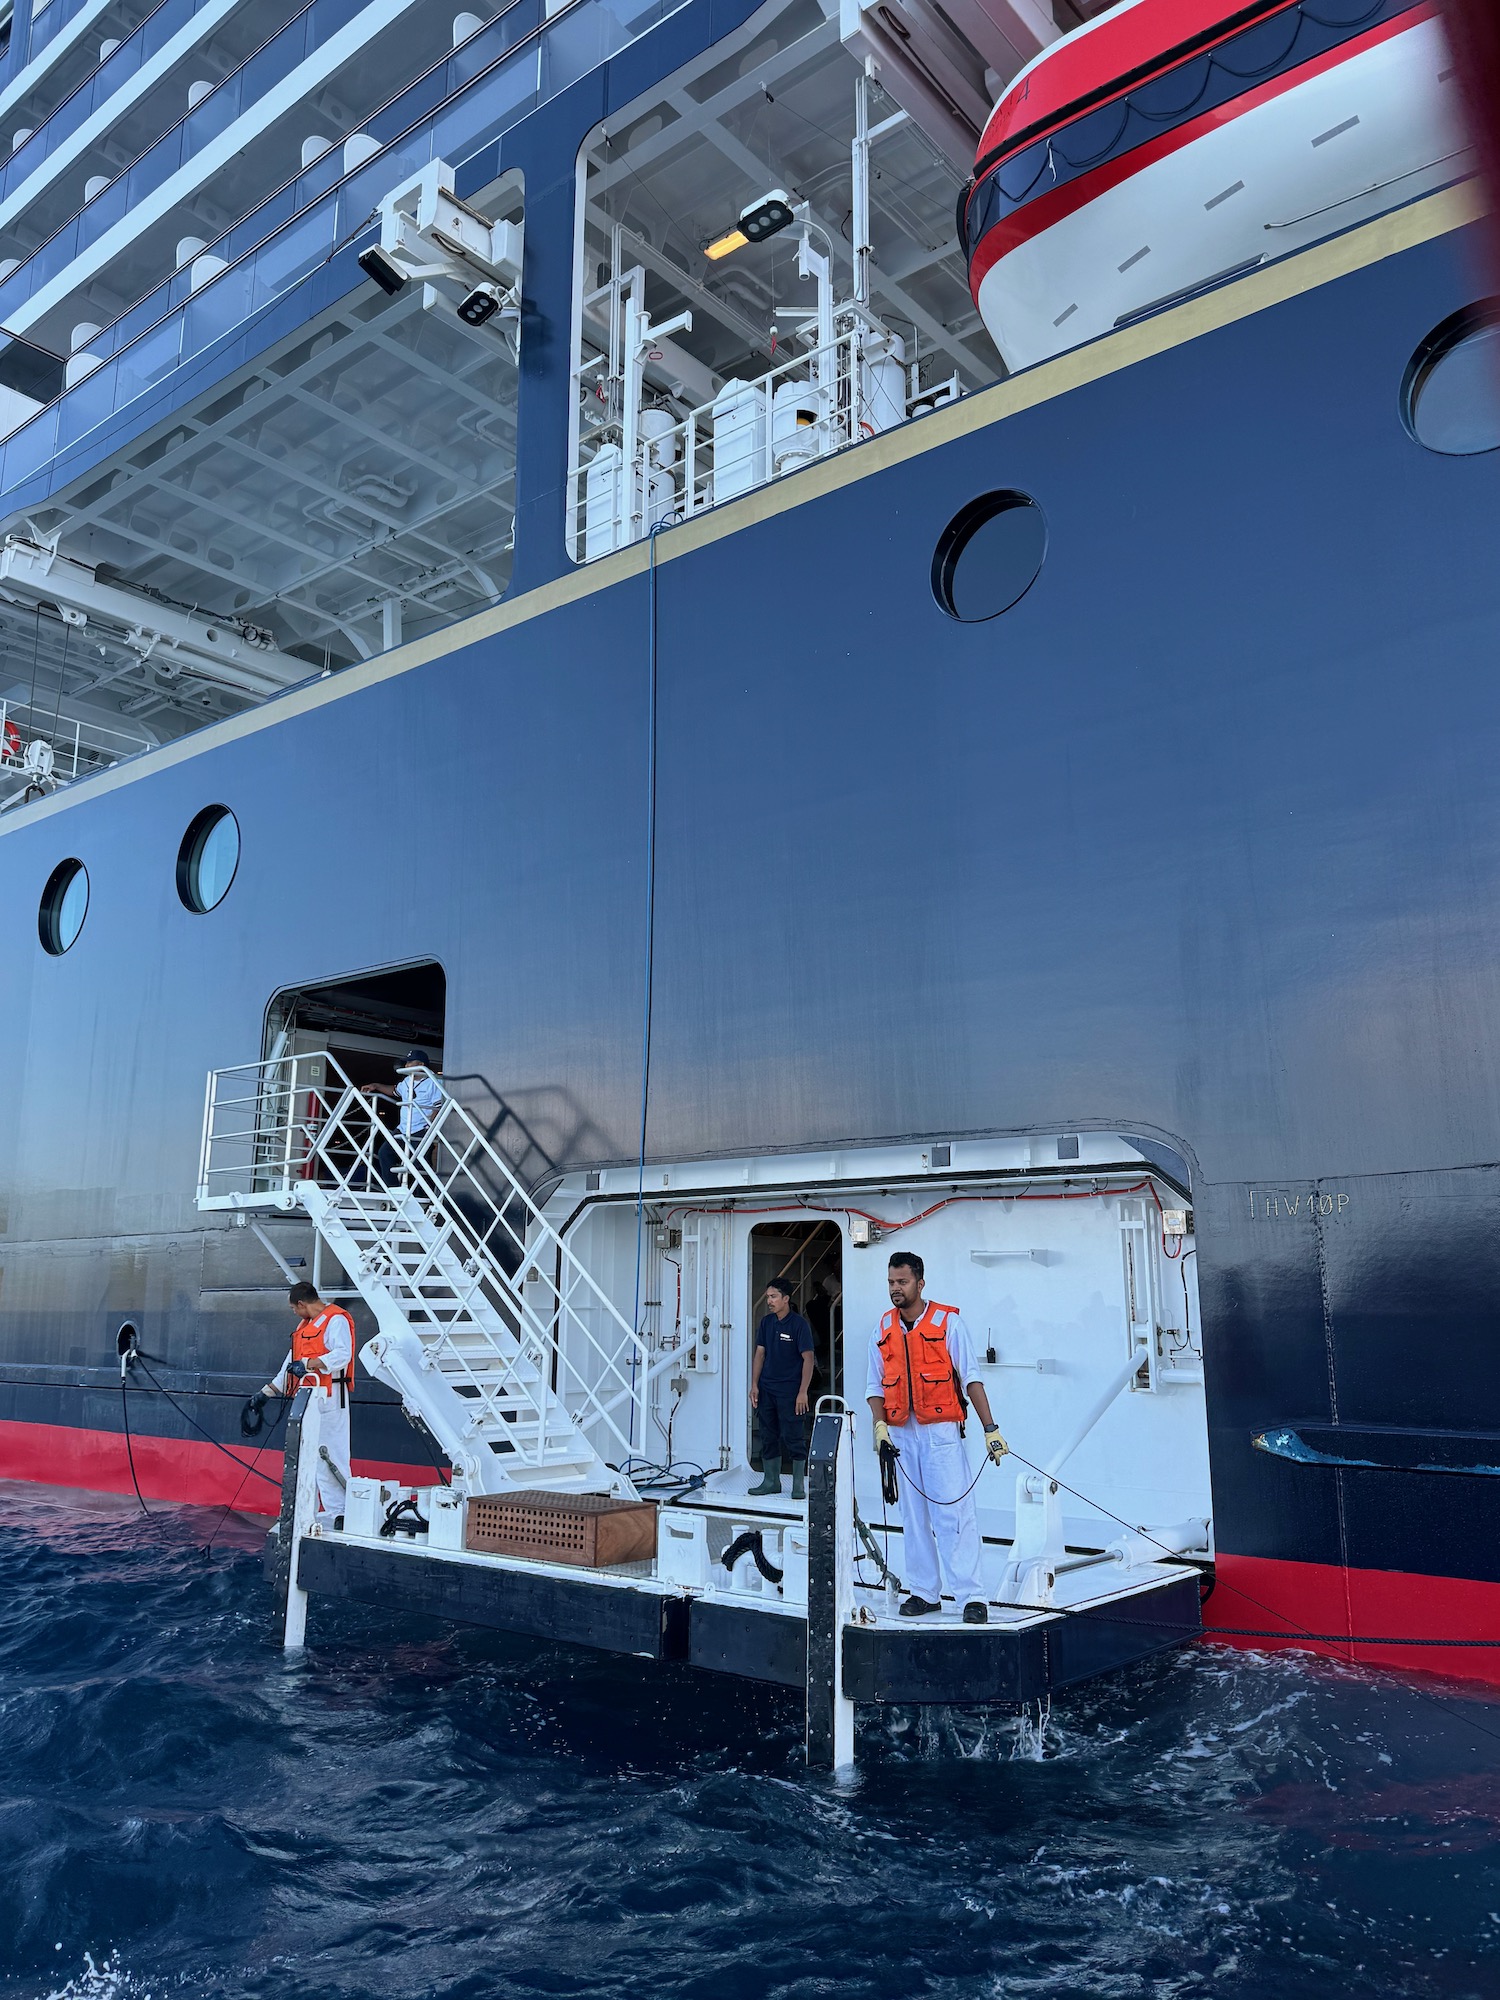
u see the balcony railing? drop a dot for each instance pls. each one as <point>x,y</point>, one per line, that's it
<point>49,23</point>
<point>97,88</point>
<point>464,102</point>
<point>230,99</point>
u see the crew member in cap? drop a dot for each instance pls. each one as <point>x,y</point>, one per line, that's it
<point>419,1095</point>
<point>779,1378</point>
<point>921,1363</point>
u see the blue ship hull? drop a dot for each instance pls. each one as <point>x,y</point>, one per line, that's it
<point>1196,843</point>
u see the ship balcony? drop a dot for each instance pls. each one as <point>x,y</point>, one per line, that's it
<point>463,103</point>
<point>289,106</point>
<point>90,116</point>
<point>51,18</point>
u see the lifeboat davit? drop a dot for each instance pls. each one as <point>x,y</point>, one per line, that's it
<point>1174,143</point>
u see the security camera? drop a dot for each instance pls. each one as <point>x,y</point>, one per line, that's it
<point>387,274</point>
<point>481,304</point>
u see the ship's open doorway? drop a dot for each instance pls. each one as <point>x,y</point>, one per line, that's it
<point>809,1258</point>
<point>368,1021</point>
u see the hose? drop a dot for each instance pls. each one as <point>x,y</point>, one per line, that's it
<point>750,1544</point>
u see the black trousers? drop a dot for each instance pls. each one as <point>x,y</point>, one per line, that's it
<point>783,1433</point>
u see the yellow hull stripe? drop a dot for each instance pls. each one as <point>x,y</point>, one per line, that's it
<point>1389,235</point>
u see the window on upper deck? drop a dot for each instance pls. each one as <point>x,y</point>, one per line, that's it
<point>710,358</point>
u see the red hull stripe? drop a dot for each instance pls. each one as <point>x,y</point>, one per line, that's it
<point>1059,203</point>
<point>1296,1597</point>
<point>187,1469</point>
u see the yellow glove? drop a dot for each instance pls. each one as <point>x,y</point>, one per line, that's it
<point>882,1432</point>
<point>995,1445</point>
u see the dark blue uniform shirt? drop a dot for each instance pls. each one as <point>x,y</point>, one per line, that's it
<point>785,1341</point>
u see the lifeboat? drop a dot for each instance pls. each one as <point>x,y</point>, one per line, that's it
<point>1173,144</point>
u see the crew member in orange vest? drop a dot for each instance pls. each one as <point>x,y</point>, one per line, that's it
<point>322,1352</point>
<point>922,1363</point>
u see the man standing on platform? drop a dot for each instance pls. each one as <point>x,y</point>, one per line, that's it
<point>779,1379</point>
<point>322,1359</point>
<point>921,1363</point>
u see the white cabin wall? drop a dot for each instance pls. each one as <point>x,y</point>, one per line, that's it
<point>1039,1279</point>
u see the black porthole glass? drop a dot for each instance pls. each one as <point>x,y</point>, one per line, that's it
<point>989,556</point>
<point>65,904</point>
<point>1450,398</point>
<point>207,859</point>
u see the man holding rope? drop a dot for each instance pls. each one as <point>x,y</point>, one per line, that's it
<point>321,1357</point>
<point>921,1364</point>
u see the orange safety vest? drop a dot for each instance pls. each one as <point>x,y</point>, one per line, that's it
<point>918,1377</point>
<point>309,1346</point>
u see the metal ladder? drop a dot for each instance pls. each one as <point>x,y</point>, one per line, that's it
<point>490,1329</point>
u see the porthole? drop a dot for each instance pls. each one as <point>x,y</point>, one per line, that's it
<point>1451,396</point>
<point>65,904</point>
<point>207,859</point>
<point>989,556</point>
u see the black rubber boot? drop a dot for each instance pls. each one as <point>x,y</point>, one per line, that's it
<point>918,1607</point>
<point>976,1613</point>
<point>799,1490</point>
<point>770,1477</point>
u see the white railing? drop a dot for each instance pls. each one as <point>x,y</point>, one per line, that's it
<point>41,745</point>
<point>272,1128</point>
<point>750,434</point>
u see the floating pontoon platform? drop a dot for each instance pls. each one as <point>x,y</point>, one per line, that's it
<point>846,1647</point>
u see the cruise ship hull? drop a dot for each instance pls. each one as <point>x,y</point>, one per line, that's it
<point>1196,843</point>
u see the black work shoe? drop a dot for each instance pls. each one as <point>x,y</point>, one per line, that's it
<point>976,1613</point>
<point>918,1607</point>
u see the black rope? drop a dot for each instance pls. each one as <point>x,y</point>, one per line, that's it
<point>129,1446</point>
<point>36,647</point>
<point>61,677</point>
<point>283,1403</point>
<point>249,1468</point>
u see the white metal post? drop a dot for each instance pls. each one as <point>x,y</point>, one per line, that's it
<point>843,1708</point>
<point>859,221</point>
<point>304,1512</point>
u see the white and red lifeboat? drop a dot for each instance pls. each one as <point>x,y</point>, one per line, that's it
<point>1171,143</point>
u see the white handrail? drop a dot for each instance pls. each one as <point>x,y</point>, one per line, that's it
<point>262,1141</point>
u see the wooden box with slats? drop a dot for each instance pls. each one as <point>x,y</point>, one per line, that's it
<point>593,1530</point>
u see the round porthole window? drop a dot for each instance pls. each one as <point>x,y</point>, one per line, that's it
<point>989,556</point>
<point>1451,395</point>
<point>207,859</point>
<point>65,904</point>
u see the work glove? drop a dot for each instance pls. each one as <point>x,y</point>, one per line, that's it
<point>995,1445</point>
<point>252,1416</point>
<point>882,1433</point>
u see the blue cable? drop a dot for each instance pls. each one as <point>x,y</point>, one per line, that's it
<point>640,1179</point>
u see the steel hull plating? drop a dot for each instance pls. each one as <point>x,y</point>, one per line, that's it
<point>1196,842</point>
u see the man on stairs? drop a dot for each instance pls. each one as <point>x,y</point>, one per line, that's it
<point>322,1353</point>
<point>921,1363</point>
<point>779,1378</point>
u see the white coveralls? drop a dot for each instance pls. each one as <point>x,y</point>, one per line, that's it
<point>333,1430</point>
<point>933,1458</point>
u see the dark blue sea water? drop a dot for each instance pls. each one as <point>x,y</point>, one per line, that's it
<point>415,1811</point>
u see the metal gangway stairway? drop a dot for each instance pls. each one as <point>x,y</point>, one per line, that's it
<point>491,1330</point>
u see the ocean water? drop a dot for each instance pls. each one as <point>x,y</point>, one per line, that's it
<point>411,1810</point>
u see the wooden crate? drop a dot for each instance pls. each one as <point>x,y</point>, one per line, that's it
<point>593,1530</point>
